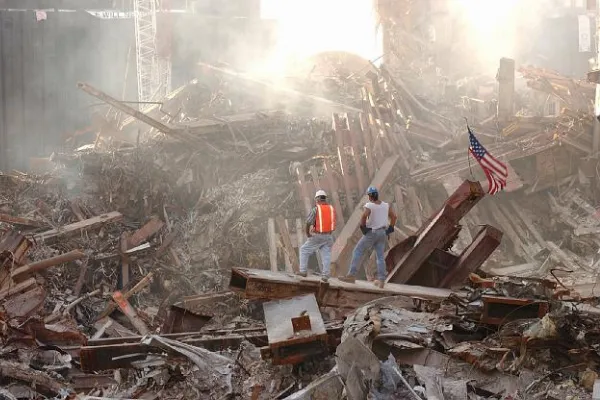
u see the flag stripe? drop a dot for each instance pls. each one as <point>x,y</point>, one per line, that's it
<point>495,170</point>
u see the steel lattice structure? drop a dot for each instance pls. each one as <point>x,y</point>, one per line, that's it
<point>153,72</point>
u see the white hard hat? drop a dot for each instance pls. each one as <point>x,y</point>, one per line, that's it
<point>320,193</point>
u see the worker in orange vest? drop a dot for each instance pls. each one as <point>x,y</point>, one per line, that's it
<point>320,225</point>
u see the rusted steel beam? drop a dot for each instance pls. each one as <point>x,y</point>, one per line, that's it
<point>355,139</point>
<point>25,304</point>
<point>20,221</point>
<point>11,290</point>
<point>484,244</point>
<point>119,105</point>
<point>432,236</point>
<point>334,194</point>
<point>130,313</point>
<point>145,281</point>
<point>284,233</point>
<point>48,262</point>
<point>341,129</point>
<point>433,271</point>
<point>152,227</point>
<point>98,354</point>
<point>499,310</point>
<point>14,246</point>
<point>263,284</point>
<point>350,232</point>
<point>464,198</point>
<point>303,189</point>
<point>180,319</point>
<point>367,146</point>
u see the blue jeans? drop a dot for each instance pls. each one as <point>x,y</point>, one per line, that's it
<point>322,243</point>
<point>373,240</point>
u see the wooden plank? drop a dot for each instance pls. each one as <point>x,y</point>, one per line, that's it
<point>341,248</point>
<point>287,244</point>
<point>79,227</point>
<point>272,240</point>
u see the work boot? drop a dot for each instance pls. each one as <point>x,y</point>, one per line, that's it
<point>348,278</point>
<point>302,274</point>
<point>378,283</point>
<point>325,278</point>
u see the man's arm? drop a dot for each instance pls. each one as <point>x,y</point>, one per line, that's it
<point>365,216</point>
<point>310,221</point>
<point>393,217</point>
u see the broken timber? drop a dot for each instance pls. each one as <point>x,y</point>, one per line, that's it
<point>262,284</point>
<point>73,229</point>
<point>350,232</point>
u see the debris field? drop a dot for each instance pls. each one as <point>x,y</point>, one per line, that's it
<point>156,259</point>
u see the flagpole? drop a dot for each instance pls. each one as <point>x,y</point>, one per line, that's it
<point>469,147</point>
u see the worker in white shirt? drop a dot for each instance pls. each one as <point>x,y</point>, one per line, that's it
<point>376,223</point>
<point>320,225</point>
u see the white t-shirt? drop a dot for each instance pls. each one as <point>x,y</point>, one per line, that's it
<point>379,215</point>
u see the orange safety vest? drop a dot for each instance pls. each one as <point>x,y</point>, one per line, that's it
<point>325,218</point>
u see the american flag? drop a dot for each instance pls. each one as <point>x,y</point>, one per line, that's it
<point>495,171</point>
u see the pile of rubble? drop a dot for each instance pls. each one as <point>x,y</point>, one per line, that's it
<point>114,258</point>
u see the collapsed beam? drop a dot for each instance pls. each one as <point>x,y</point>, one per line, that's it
<point>263,284</point>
